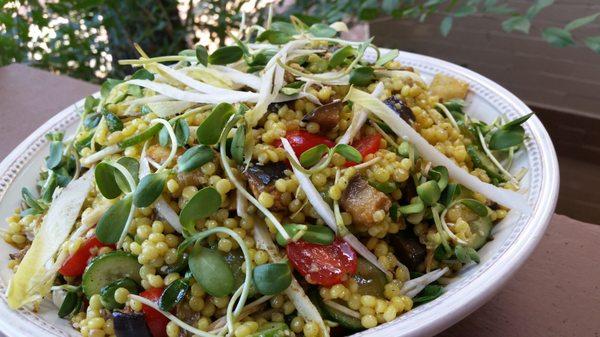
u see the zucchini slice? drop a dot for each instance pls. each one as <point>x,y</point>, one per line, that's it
<point>107,268</point>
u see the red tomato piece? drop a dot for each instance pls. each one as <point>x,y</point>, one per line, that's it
<point>325,265</point>
<point>156,321</point>
<point>366,146</point>
<point>301,141</point>
<point>76,263</point>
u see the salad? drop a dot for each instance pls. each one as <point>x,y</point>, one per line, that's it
<point>279,186</point>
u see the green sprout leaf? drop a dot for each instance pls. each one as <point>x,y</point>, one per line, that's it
<point>322,30</point>
<point>272,278</point>
<point>226,55</point>
<point>105,176</point>
<point>476,206</point>
<point>55,157</point>
<point>274,37</point>
<point>428,294</point>
<point>173,294</point>
<point>340,55</point>
<point>417,206</point>
<point>348,152</point>
<point>292,88</point>
<point>387,57</point>
<point>211,271</point>
<point>578,23</point>
<point>143,74</point>
<point>518,23</point>
<point>194,157</point>
<point>238,144</point>
<point>446,25</point>
<point>362,76</point>
<point>202,55</point>
<point>439,174</point>
<point>284,27</point>
<point>149,189</point>
<point>132,165</point>
<point>429,192</point>
<point>209,132</point>
<point>141,137</point>
<point>312,156</point>
<point>113,222</point>
<point>204,203</point>
<point>593,43</point>
<point>113,122</point>
<point>503,139</point>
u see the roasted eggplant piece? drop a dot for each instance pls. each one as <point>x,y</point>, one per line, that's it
<point>362,200</point>
<point>262,178</point>
<point>327,116</point>
<point>407,248</point>
<point>130,325</point>
<point>398,105</point>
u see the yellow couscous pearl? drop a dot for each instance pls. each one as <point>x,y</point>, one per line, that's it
<point>311,329</point>
<point>368,321</point>
<point>266,199</point>
<point>172,329</point>
<point>121,295</point>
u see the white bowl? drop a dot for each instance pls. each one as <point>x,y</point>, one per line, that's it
<point>514,238</point>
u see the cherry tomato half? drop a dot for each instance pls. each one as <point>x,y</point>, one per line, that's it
<point>325,265</point>
<point>76,263</point>
<point>301,141</point>
<point>156,321</point>
<point>366,146</point>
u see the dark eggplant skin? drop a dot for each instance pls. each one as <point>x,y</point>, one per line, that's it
<point>408,249</point>
<point>130,325</point>
<point>327,116</point>
<point>398,105</point>
<point>266,174</point>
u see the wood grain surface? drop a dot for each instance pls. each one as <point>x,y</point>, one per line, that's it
<point>556,292</point>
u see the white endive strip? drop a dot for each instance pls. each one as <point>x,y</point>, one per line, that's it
<point>359,118</point>
<point>412,287</point>
<point>241,205</point>
<point>272,82</point>
<point>240,77</point>
<point>161,205</point>
<point>334,79</point>
<point>98,156</point>
<point>195,84</point>
<point>169,108</point>
<point>134,103</point>
<point>325,212</point>
<point>188,96</point>
<point>33,280</point>
<point>294,292</point>
<point>339,26</point>
<point>504,197</point>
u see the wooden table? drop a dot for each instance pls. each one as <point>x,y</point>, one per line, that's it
<point>556,292</point>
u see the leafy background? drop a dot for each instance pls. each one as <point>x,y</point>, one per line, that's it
<point>85,38</point>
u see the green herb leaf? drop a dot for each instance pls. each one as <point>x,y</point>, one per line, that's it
<point>318,234</point>
<point>92,121</point>
<point>204,203</point>
<point>262,57</point>
<point>348,152</point>
<point>322,30</point>
<point>284,27</point>
<point>414,208</point>
<point>340,55</point>
<point>149,189</point>
<point>211,271</point>
<point>209,132</point>
<point>558,37</point>
<point>71,303</point>
<point>29,199</point>
<point>113,122</point>
<point>476,206</point>
<point>55,157</point>
<point>142,74</point>
<point>113,222</point>
<point>439,174</point>
<point>428,294</point>
<point>226,55</point>
<point>362,76</point>
<point>517,121</point>
<point>105,176</point>
<point>274,37</point>
<point>466,254</point>
<point>182,133</point>
<point>141,137</point>
<point>134,90</point>
<point>202,55</point>
<point>312,156</point>
<point>429,192</point>
<point>537,7</point>
<point>503,139</point>
<point>386,187</point>
<point>272,278</point>
<point>194,157</point>
<point>173,294</point>
<point>578,23</point>
<point>90,104</point>
<point>292,88</point>
<point>132,165</point>
<point>108,85</point>
<point>450,193</point>
<point>238,144</point>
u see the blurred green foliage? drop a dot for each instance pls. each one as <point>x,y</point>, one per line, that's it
<point>85,38</point>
